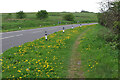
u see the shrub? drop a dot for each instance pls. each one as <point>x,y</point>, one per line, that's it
<point>42,14</point>
<point>109,36</point>
<point>20,15</point>
<point>69,17</point>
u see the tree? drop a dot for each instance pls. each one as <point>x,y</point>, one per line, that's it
<point>110,18</point>
<point>69,17</point>
<point>42,14</point>
<point>83,11</point>
<point>110,15</point>
<point>20,15</point>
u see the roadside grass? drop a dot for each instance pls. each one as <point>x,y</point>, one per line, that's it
<point>99,59</point>
<point>40,58</point>
<point>51,59</point>
<point>31,22</point>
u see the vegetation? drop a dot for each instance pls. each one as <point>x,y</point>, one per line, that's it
<point>99,58</point>
<point>110,18</point>
<point>42,14</point>
<point>41,58</point>
<point>51,59</point>
<point>20,15</point>
<point>69,17</point>
<point>83,11</point>
<point>54,18</point>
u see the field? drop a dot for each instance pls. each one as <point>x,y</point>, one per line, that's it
<point>51,59</point>
<point>10,23</point>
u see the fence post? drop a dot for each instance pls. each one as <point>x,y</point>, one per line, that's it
<point>46,35</point>
<point>80,25</point>
<point>63,30</point>
<point>72,26</point>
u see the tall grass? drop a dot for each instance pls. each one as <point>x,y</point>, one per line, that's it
<point>99,58</point>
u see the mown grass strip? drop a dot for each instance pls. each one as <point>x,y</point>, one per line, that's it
<point>75,61</point>
<point>99,59</point>
<point>41,58</point>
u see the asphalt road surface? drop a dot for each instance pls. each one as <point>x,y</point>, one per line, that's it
<point>16,38</point>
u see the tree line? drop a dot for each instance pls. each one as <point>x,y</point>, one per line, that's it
<point>40,14</point>
<point>110,17</point>
<point>43,14</point>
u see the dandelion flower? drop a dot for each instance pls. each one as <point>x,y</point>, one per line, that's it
<point>19,71</point>
<point>14,67</point>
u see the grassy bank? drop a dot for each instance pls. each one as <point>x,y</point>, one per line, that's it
<point>40,58</point>
<point>10,23</point>
<point>99,58</point>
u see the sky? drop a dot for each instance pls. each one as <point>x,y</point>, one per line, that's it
<point>9,6</point>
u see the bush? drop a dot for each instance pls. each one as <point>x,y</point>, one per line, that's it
<point>69,17</point>
<point>109,36</point>
<point>42,14</point>
<point>20,15</point>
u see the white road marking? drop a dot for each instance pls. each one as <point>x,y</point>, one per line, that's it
<point>11,36</point>
<point>36,31</point>
<point>19,35</point>
<point>44,30</point>
<point>10,32</point>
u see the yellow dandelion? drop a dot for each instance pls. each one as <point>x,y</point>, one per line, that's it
<point>20,77</point>
<point>27,69</point>
<point>48,46</point>
<point>14,53</point>
<point>20,46</point>
<point>44,66</point>
<point>38,70</point>
<point>48,75</point>
<point>2,70</point>
<point>19,71</point>
<point>14,67</point>
<point>24,75</point>
<point>1,60</point>
<point>36,62</point>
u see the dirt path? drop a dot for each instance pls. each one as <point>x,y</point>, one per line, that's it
<point>75,70</point>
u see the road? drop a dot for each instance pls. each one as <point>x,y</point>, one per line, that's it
<point>16,38</point>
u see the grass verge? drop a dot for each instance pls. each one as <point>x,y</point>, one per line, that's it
<point>99,58</point>
<point>40,58</point>
<point>51,59</point>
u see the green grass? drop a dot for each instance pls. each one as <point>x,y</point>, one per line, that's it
<point>51,59</point>
<point>99,58</point>
<point>30,22</point>
<point>40,58</point>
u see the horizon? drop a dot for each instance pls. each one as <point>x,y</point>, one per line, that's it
<point>50,12</point>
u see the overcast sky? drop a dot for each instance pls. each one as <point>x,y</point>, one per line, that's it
<point>8,6</point>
